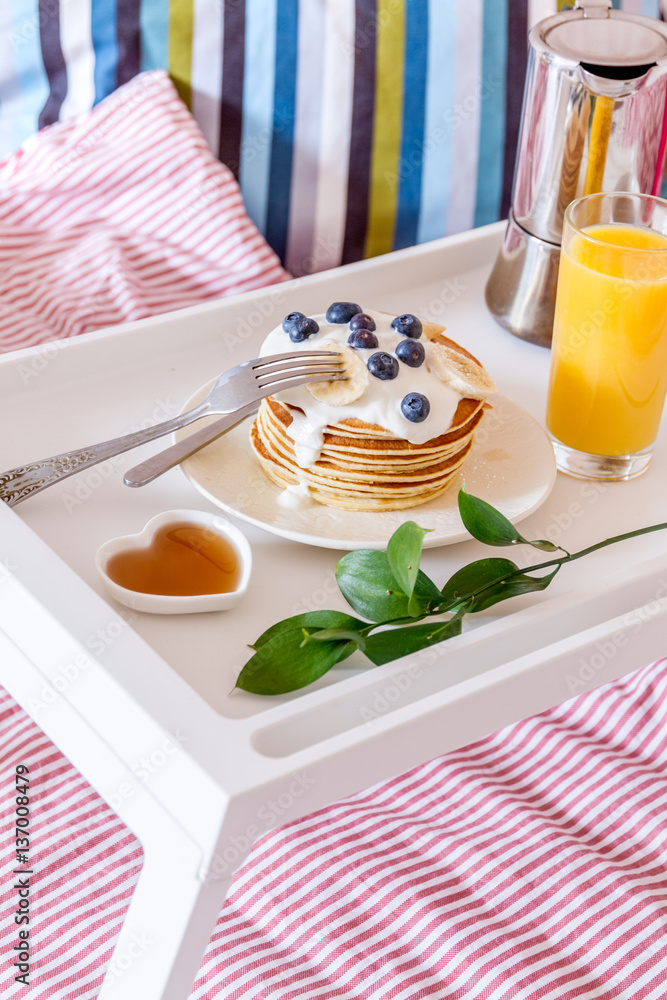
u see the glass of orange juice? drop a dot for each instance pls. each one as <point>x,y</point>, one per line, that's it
<point>609,356</point>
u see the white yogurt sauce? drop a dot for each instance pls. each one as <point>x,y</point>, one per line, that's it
<point>381,400</point>
<point>294,497</point>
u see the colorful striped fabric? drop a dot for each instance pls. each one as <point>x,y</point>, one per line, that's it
<point>119,214</point>
<point>355,127</point>
<point>529,865</point>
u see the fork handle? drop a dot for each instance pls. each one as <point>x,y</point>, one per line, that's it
<point>25,480</point>
<point>154,466</point>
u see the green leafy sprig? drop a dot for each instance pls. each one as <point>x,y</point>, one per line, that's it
<point>389,589</point>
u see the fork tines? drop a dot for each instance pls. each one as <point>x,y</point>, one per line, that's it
<point>295,357</point>
<point>277,367</point>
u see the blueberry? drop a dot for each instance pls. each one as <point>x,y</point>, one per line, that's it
<point>362,321</point>
<point>362,338</point>
<point>408,325</point>
<point>342,312</point>
<point>290,322</point>
<point>411,352</point>
<point>383,365</point>
<point>415,407</point>
<point>303,329</point>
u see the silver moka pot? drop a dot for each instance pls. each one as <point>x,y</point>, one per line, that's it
<point>594,119</point>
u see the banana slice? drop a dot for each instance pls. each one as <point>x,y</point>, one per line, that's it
<point>461,372</point>
<point>432,330</point>
<point>343,392</point>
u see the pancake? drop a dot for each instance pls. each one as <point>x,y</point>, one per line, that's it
<point>349,455</point>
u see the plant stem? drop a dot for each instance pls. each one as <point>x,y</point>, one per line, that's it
<point>598,545</point>
<point>570,557</point>
<point>619,538</point>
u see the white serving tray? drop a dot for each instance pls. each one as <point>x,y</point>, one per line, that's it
<point>111,686</point>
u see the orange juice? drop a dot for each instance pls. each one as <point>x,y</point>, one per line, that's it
<point>609,363</point>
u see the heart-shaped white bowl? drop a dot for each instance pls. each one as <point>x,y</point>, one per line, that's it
<point>168,604</point>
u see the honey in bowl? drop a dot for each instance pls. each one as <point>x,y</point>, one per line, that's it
<point>182,559</point>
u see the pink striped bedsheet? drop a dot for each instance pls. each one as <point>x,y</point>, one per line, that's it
<point>119,214</point>
<point>528,865</point>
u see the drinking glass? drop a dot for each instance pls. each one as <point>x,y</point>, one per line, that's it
<point>609,354</point>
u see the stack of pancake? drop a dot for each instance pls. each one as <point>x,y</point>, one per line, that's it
<point>364,467</point>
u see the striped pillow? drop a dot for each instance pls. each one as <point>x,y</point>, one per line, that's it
<point>355,127</point>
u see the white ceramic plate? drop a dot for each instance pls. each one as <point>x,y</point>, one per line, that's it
<point>512,466</point>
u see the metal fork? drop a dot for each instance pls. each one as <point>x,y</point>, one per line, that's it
<point>153,467</point>
<point>234,390</point>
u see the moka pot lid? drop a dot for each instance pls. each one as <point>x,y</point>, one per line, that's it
<point>599,38</point>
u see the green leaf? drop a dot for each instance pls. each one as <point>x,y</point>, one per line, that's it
<point>326,634</point>
<point>485,582</point>
<point>488,525</point>
<point>369,586</point>
<point>484,522</point>
<point>382,647</point>
<point>404,551</point>
<point>513,587</point>
<point>475,576</point>
<point>543,544</point>
<point>310,619</point>
<point>283,664</point>
<point>427,593</point>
